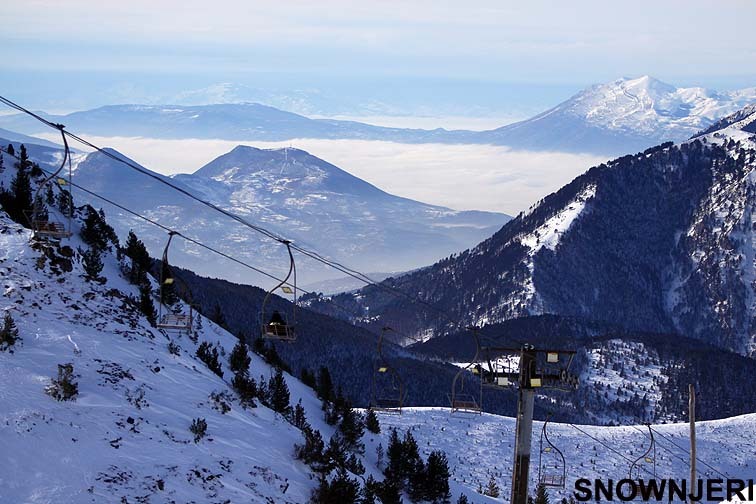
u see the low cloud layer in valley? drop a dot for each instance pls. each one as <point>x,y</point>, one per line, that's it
<point>464,177</point>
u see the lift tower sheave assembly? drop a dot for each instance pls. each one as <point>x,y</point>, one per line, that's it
<point>538,369</point>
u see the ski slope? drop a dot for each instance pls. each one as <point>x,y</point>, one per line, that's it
<point>479,446</point>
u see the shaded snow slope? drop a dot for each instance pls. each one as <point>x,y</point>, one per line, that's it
<point>126,436</point>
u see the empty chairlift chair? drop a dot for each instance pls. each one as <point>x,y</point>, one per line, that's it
<point>648,457</point>
<point>46,222</point>
<point>168,319</point>
<point>552,469</point>
<point>466,396</point>
<point>277,327</point>
<point>387,392</point>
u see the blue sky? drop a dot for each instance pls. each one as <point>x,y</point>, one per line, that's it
<point>535,52</point>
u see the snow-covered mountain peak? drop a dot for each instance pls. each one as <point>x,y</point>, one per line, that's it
<point>289,171</point>
<point>648,106</point>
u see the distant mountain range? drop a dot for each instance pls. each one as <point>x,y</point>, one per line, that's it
<point>289,191</point>
<point>662,241</point>
<point>625,115</point>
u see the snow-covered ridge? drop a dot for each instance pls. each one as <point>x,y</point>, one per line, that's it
<point>648,106</point>
<point>548,234</point>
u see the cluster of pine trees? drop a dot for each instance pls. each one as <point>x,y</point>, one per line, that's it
<point>136,272</point>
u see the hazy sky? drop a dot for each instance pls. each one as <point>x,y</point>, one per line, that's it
<point>168,46</point>
<point>495,40</point>
<point>437,63</point>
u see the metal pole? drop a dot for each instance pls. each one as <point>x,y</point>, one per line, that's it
<point>692,419</point>
<point>524,428</point>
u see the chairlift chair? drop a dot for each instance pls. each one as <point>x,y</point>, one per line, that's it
<point>277,327</point>
<point>387,391</point>
<point>172,321</point>
<point>552,467</point>
<point>463,400</point>
<point>51,227</point>
<point>649,457</point>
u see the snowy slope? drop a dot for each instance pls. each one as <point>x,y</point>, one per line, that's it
<point>479,446</point>
<point>126,436</point>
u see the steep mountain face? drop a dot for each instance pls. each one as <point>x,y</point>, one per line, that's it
<point>295,194</point>
<point>625,115</point>
<point>661,241</point>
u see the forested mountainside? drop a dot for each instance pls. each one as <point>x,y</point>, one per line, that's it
<point>625,376</point>
<point>660,241</point>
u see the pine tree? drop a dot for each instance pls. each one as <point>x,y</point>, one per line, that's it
<point>198,428</point>
<point>308,378</point>
<point>311,452</point>
<point>246,388</point>
<point>351,428</point>
<point>463,499</point>
<point>300,417</point>
<point>64,388</point>
<point>335,454</point>
<point>239,360</point>
<point>92,263</point>
<point>209,355</point>
<point>342,489</point>
<point>371,422</point>
<point>492,489</point>
<point>146,305</point>
<point>95,231</point>
<point>354,465</point>
<point>279,394</point>
<point>20,196</point>
<point>416,481</point>
<point>11,150</point>
<point>394,471</point>
<point>49,195</point>
<point>65,202</point>
<point>217,315</point>
<point>368,493</point>
<point>325,385</point>
<point>412,464</point>
<point>388,492</point>
<point>35,171</point>
<point>437,478</point>
<point>140,259</point>
<point>542,497</point>
<point>9,333</point>
<point>23,162</point>
<point>42,214</point>
<point>379,455</point>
